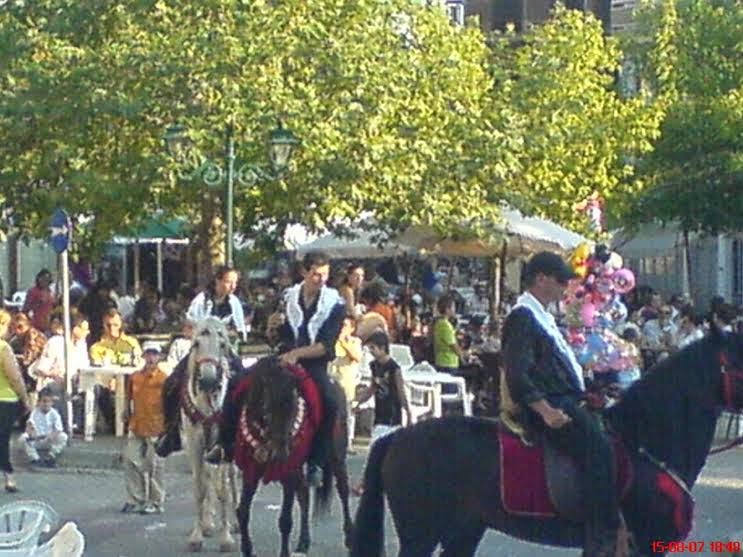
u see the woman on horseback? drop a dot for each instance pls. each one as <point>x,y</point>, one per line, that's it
<point>217,300</point>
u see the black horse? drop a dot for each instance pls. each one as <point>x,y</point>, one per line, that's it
<point>442,479</point>
<point>271,411</point>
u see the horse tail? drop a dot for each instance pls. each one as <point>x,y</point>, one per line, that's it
<point>324,492</point>
<point>368,532</point>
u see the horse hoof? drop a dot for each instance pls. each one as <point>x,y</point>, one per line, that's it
<point>227,547</point>
<point>195,547</point>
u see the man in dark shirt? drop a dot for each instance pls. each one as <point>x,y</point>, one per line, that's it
<point>306,335</point>
<point>546,381</point>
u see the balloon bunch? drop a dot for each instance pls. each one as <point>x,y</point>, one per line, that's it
<point>594,309</point>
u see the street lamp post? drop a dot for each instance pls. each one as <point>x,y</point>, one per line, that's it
<point>282,143</point>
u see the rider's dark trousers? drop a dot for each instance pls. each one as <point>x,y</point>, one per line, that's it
<point>322,445</point>
<point>584,440</point>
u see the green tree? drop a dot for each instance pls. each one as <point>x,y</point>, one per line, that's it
<point>694,176</point>
<point>387,97</point>
<point>578,135</point>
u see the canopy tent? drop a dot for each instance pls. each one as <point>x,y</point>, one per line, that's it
<point>522,236</point>
<point>153,231</point>
<point>361,245</point>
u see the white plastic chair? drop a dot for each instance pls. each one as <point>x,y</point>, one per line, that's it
<point>68,542</point>
<point>402,354</point>
<point>424,401</point>
<point>22,523</point>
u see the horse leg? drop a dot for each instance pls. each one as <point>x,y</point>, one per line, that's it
<point>464,543</point>
<point>303,496</point>
<point>243,518</point>
<point>341,485</point>
<point>226,541</point>
<point>289,486</point>
<point>201,488</point>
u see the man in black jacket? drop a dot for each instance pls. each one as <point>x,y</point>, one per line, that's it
<point>546,381</point>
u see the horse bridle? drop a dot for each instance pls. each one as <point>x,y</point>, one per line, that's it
<point>729,377</point>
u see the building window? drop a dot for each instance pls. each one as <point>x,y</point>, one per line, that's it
<point>455,11</point>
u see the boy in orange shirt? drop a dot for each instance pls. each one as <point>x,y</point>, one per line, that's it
<point>144,413</point>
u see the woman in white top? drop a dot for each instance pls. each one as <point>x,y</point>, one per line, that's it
<point>219,300</point>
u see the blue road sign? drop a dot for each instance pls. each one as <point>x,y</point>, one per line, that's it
<point>60,230</point>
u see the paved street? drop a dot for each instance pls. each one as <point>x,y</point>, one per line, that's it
<point>93,501</point>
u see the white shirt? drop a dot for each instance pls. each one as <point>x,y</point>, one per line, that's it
<point>178,350</point>
<point>126,306</point>
<point>52,358</point>
<point>654,332</point>
<point>684,338</point>
<point>201,307</point>
<point>45,424</point>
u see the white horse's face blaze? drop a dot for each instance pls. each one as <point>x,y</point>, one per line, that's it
<point>209,353</point>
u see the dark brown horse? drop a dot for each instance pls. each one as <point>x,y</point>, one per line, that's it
<point>272,417</point>
<point>441,477</point>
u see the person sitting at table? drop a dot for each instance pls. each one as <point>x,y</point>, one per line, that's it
<point>49,370</point>
<point>114,348</point>
<point>28,343</point>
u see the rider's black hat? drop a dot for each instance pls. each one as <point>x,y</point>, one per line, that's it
<point>549,264</point>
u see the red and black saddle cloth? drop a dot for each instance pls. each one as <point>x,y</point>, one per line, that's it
<point>250,453</point>
<point>539,481</point>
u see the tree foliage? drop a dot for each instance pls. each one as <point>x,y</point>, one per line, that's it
<point>578,134</point>
<point>401,114</point>
<point>695,173</point>
<point>387,98</point>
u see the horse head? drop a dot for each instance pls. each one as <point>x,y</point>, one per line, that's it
<point>272,404</point>
<point>730,358</point>
<point>210,352</point>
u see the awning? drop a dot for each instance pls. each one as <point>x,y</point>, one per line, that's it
<point>157,231</point>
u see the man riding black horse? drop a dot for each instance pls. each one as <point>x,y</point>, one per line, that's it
<point>546,382</point>
<point>306,335</point>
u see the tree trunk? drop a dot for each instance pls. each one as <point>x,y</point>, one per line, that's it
<point>209,244</point>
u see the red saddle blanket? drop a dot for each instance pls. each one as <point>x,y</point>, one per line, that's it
<point>249,456</point>
<point>523,481</point>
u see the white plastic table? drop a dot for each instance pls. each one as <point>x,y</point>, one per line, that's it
<point>92,376</point>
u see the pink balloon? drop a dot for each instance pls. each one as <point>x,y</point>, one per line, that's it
<point>588,314</point>
<point>624,280</point>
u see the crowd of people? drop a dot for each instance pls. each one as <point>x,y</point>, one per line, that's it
<point>440,326</point>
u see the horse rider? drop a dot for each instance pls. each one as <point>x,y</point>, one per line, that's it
<point>306,334</point>
<point>546,382</point>
<point>220,301</point>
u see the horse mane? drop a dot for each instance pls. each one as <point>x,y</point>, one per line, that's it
<point>267,373</point>
<point>671,412</point>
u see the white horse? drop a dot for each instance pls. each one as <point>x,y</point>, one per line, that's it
<point>201,403</point>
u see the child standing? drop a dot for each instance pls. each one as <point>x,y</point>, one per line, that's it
<point>345,369</point>
<point>44,432</point>
<point>387,388</point>
<point>144,484</point>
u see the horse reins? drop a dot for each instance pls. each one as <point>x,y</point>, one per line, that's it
<point>729,377</point>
